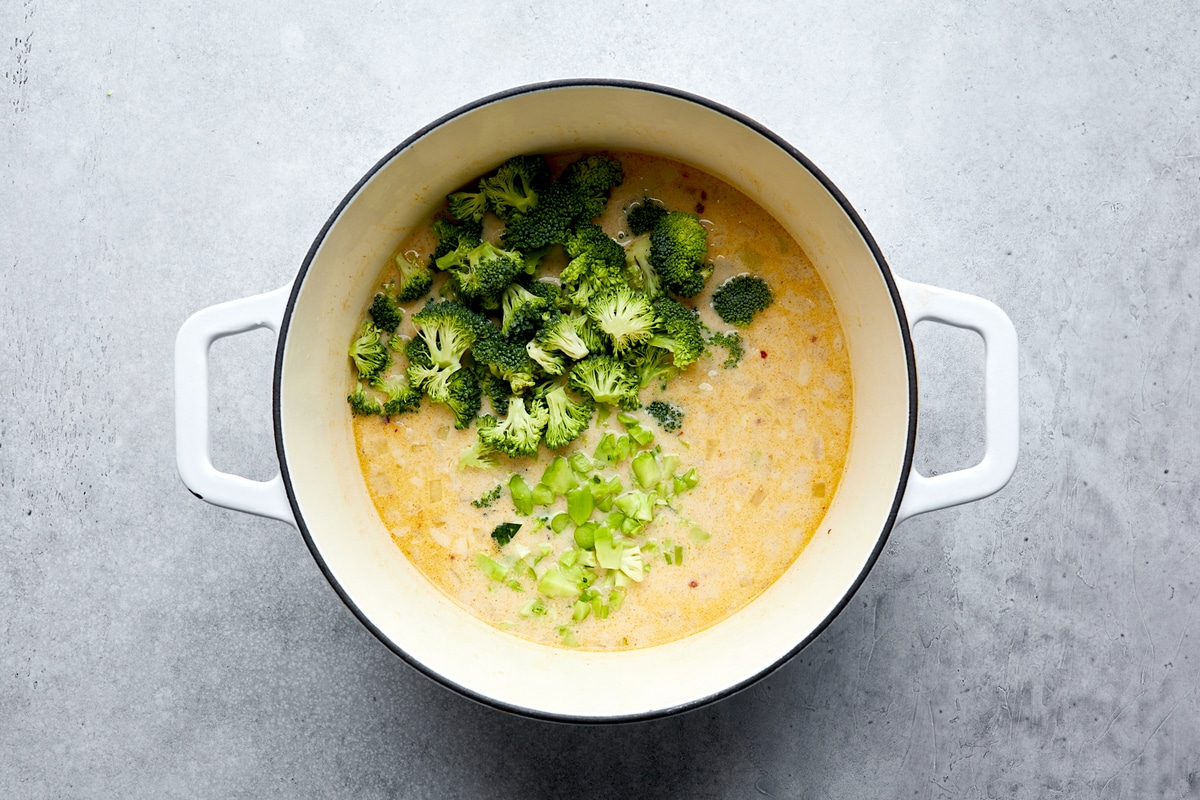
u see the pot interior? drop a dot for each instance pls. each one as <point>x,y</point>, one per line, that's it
<point>317,443</point>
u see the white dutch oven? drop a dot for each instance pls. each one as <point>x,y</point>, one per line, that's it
<point>321,491</point>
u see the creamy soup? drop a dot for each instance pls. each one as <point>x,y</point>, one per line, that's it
<point>767,438</point>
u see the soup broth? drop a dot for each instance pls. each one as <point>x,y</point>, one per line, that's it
<point>768,440</point>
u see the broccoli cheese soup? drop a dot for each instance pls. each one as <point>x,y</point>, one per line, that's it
<point>654,522</point>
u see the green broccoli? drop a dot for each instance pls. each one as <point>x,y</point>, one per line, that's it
<point>519,432</point>
<point>626,317</point>
<point>678,246</point>
<point>506,359</point>
<point>496,388</point>
<point>579,194</point>
<point>738,299</point>
<point>551,363</point>
<point>566,418</point>
<point>384,311</point>
<point>551,292</point>
<point>415,277</point>
<point>515,186</point>
<point>732,342</point>
<point>649,364</point>
<point>369,353</point>
<point>446,329</point>
<point>591,336</point>
<point>643,216</point>
<point>465,397</point>
<point>669,415</point>
<point>504,532</point>
<point>488,497</point>
<point>559,333</point>
<point>606,380</point>
<point>453,238</point>
<point>468,205</point>
<point>401,395</point>
<point>482,273</point>
<point>523,312</point>
<point>363,404</point>
<point>597,264</point>
<point>479,454</point>
<point>638,270</point>
<point>678,330</point>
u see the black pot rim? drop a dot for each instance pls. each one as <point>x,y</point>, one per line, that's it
<point>910,365</point>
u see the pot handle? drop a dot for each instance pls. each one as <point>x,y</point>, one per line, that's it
<point>1001,400</point>
<point>192,458</point>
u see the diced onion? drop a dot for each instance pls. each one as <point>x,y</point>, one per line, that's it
<point>435,491</point>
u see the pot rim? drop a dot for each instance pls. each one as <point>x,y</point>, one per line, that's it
<point>885,273</point>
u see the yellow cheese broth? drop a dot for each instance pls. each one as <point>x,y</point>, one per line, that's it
<point>768,439</point>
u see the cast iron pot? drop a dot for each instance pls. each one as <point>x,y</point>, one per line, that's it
<point>320,489</point>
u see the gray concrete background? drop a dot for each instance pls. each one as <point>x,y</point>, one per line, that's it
<point>159,158</point>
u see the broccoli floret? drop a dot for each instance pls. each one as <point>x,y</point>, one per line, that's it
<point>626,317</point>
<point>597,265</point>
<point>479,455</point>
<point>363,404</point>
<point>415,277</point>
<point>465,397</point>
<point>591,336</point>
<point>567,419</point>
<point>468,205</point>
<point>732,342</point>
<point>506,359</point>
<point>369,353</point>
<point>459,238</point>
<point>384,311</point>
<point>638,270</point>
<point>515,186</point>
<point>678,246</point>
<point>446,329</point>
<point>519,432</point>
<point>523,312</point>
<point>649,364</point>
<point>482,273</point>
<point>678,330</point>
<point>559,333</point>
<point>504,532</point>
<point>669,415</point>
<point>496,388</point>
<point>643,216</point>
<point>488,497</point>
<point>551,292</point>
<point>401,395</point>
<point>550,362</point>
<point>606,380</point>
<point>738,299</point>
<point>577,196</point>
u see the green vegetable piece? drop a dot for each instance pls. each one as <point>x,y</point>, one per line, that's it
<point>559,476</point>
<point>567,637</point>
<point>581,611</point>
<point>580,463</point>
<point>670,463</point>
<point>543,495</point>
<point>608,553</point>
<point>646,470</point>
<point>580,504</point>
<point>643,436</point>
<point>631,564</point>
<point>616,598</point>
<point>738,299</point>
<point>534,608</point>
<point>599,608</point>
<point>690,479</point>
<point>699,535</point>
<point>605,488</point>
<point>585,535</point>
<point>488,497</point>
<point>606,448</point>
<point>624,447</point>
<point>560,522</point>
<point>504,532</point>
<point>628,420</point>
<point>493,569</point>
<point>605,504</point>
<point>556,584</point>
<point>569,558</point>
<point>522,495</point>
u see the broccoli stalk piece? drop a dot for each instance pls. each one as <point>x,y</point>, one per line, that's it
<point>643,216</point>
<point>627,318</point>
<point>401,395</point>
<point>363,404</point>
<point>519,432</point>
<point>384,311</point>
<point>514,188</point>
<point>738,299</point>
<point>679,331</point>
<point>579,194</point>
<point>506,359</point>
<point>668,415</point>
<point>446,329</point>
<point>468,205</point>
<point>566,418</point>
<point>523,312</point>
<point>559,333</point>
<point>605,380</point>
<point>368,352</point>
<point>597,265</point>
<point>415,277</point>
<point>482,273</point>
<point>638,270</point>
<point>678,246</point>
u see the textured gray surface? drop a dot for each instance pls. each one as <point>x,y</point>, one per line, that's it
<point>158,158</point>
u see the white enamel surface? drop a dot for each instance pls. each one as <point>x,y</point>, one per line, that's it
<point>351,539</point>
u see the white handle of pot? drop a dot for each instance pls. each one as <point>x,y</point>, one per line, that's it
<point>1001,400</point>
<point>192,458</point>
